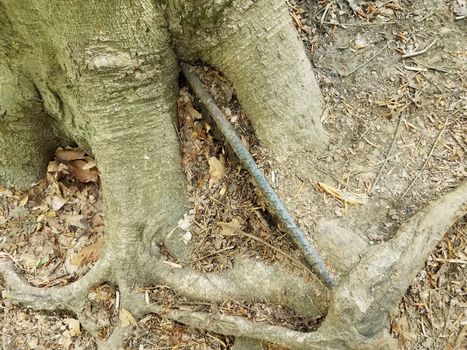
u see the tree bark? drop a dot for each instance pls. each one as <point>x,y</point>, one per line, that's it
<point>28,136</point>
<point>104,74</point>
<point>256,46</point>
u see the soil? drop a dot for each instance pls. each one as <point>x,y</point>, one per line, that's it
<point>398,140</point>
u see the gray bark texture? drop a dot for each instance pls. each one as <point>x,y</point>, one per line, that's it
<point>103,74</point>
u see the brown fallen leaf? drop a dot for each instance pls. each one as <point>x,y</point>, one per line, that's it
<point>91,163</point>
<point>69,154</point>
<point>57,202</point>
<point>89,254</point>
<point>23,201</point>
<point>79,170</point>
<point>76,220</point>
<point>230,228</point>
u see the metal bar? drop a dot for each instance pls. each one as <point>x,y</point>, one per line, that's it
<point>310,253</point>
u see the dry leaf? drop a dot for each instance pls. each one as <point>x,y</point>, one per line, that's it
<point>172,264</point>
<point>78,169</point>
<point>126,318</point>
<point>89,254</point>
<point>73,326</point>
<point>76,220</point>
<point>183,224</point>
<point>5,192</point>
<point>402,329</point>
<point>52,167</point>
<point>229,228</point>
<point>216,168</point>
<point>58,202</point>
<point>193,112</point>
<point>53,223</point>
<point>360,42</point>
<point>65,340</point>
<point>23,201</point>
<point>51,214</point>
<point>223,190</point>
<point>348,197</point>
<point>187,236</point>
<point>69,154</point>
<point>91,163</point>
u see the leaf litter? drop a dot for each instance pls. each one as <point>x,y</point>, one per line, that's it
<point>54,230</point>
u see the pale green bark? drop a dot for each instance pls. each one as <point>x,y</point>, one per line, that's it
<point>28,136</point>
<point>104,74</point>
<point>106,71</point>
<point>247,344</point>
<point>255,44</point>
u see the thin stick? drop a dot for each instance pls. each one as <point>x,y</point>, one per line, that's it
<point>257,239</point>
<point>212,254</point>
<point>353,6</point>
<point>364,63</point>
<point>368,129</point>
<point>310,253</point>
<point>421,52</point>
<point>458,141</point>
<point>326,10</point>
<point>427,158</point>
<point>396,134</point>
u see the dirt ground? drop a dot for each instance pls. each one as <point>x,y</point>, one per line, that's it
<point>393,79</point>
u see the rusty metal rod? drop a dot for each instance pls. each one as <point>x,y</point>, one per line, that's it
<point>310,253</point>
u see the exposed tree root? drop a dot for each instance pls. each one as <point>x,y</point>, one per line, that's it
<point>366,297</point>
<point>357,318</point>
<point>248,281</point>
<point>115,340</point>
<point>242,327</point>
<point>71,297</point>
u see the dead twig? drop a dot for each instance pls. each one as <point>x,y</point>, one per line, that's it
<point>368,129</point>
<point>353,6</point>
<point>421,52</point>
<point>427,158</point>
<point>396,134</point>
<point>211,254</point>
<point>257,239</point>
<point>326,10</point>
<point>364,63</point>
<point>459,142</point>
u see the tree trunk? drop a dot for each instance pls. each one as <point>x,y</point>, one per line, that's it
<point>106,73</point>
<point>255,44</point>
<point>103,74</point>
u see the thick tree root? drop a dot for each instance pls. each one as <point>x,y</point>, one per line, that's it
<point>365,298</point>
<point>71,297</point>
<point>242,327</point>
<point>357,317</point>
<point>115,340</point>
<point>248,281</point>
